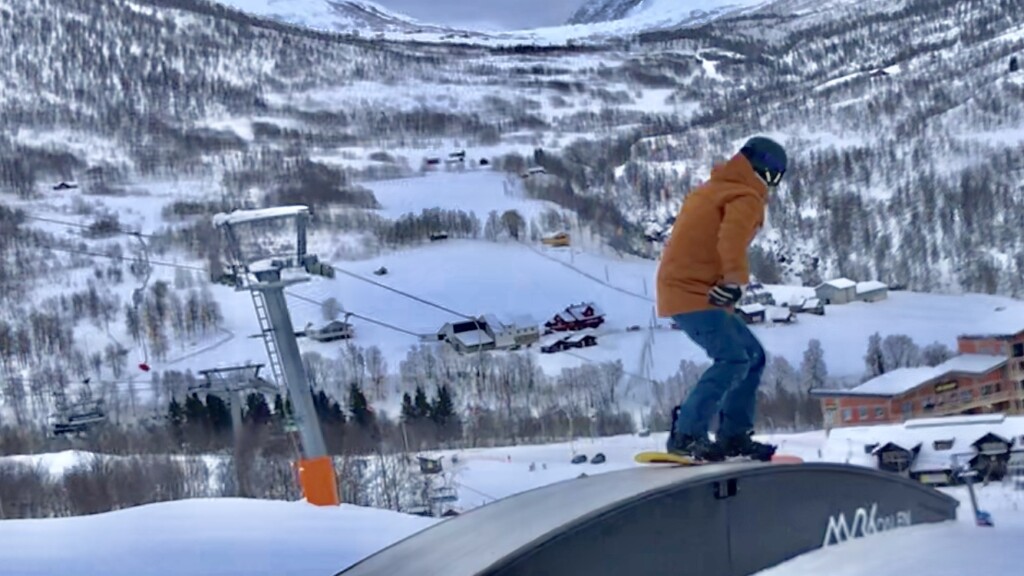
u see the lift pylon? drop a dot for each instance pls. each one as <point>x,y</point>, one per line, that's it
<point>258,261</point>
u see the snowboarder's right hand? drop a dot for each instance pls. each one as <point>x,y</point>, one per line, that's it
<point>725,295</point>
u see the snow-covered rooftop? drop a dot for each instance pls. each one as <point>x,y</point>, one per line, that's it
<point>516,320</point>
<point>973,363</point>
<point>967,419</point>
<point>474,337</point>
<point>903,380</point>
<point>242,216</point>
<point>840,283</point>
<point>870,286</point>
<point>933,435</point>
<point>752,308</point>
<point>895,382</point>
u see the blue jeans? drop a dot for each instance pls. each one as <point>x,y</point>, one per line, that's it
<point>730,384</point>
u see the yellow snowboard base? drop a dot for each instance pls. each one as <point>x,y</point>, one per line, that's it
<point>654,457</point>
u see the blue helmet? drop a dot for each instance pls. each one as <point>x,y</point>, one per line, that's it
<point>767,157</point>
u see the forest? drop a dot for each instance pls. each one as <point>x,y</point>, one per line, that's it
<point>445,401</point>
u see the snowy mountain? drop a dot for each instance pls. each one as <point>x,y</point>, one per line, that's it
<point>882,132</point>
<point>351,16</point>
<point>602,11</point>
<point>668,12</point>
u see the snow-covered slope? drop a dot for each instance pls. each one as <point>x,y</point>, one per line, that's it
<point>203,537</point>
<point>655,13</point>
<point>207,537</point>
<point>360,16</point>
<point>611,19</point>
<point>476,276</point>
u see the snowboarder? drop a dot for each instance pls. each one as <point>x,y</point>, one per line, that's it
<point>700,279</point>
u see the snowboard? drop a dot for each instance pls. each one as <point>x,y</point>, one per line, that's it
<point>655,457</point>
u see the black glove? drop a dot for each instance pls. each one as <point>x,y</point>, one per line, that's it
<point>725,295</point>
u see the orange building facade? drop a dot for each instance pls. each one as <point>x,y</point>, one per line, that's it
<point>986,377</point>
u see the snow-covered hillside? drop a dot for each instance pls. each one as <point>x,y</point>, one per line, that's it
<point>654,14</point>
<point>512,278</point>
<point>430,283</point>
<point>631,119</point>
<point>594,22</point>
<point>352,16</point>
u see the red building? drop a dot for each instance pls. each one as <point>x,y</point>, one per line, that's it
<point>987,376</point>
<point>576,317</point>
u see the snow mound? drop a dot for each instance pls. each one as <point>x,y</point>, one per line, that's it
<point>203,537</point>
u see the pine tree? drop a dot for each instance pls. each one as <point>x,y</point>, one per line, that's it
<point>218,413</point>
<point>441,408</point>
<point>358,406</point>
<point>176,419</point>
<point>408,409</point>
<point>256,410</point>
<point>421,406</point>
<point>195,411</point>
<point>282,408</point>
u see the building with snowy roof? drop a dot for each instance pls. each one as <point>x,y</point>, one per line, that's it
<point>837,291</point>
<point>576,317</point>
<point>964,384</point>
<point>938,450</point>
<point>844,291</point>
<point>871,291</point>
<point>490,332</point>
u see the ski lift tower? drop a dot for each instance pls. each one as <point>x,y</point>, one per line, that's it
<point>264,263</point>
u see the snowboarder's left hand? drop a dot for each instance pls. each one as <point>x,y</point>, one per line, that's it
<point>725,295</point>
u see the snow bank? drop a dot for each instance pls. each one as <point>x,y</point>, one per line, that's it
<point>204,537</point>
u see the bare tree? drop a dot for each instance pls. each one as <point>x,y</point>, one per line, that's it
<point>330,309</point>
<point>900,351</point>
<point>377,370</point>
<point>935,353</point>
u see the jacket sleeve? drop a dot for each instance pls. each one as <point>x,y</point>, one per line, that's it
<point>743,214</point>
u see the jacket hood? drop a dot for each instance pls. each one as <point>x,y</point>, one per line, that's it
<point>737,170</point>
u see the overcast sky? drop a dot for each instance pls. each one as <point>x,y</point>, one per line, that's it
<point>489,14</point>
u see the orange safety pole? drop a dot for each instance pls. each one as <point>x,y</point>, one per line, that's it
<point>318,482</point>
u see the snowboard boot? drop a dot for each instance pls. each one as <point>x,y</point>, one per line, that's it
<point>699,448</point>
<point>745,447</point>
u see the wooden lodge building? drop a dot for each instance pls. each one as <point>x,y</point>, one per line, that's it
<point>986,377</point>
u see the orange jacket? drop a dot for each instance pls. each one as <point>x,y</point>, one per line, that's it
<point>710,237</point>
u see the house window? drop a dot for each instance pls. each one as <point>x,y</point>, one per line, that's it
<point>1018,350</point>
<point>862,413</point>
<point>908,407</point>
<point>847,414</point>
<point>965,395</point>
<point>986,390</point>
<point>997,387</point>
<point>879,412</point>
<point>940,445</point>
<point>993,448</point>
<point>894,457</point>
